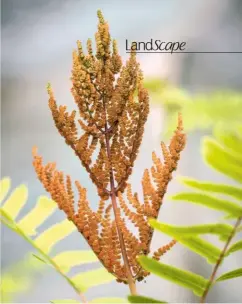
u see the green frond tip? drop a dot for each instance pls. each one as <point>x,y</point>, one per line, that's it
<point>209,201</point>
<point>235,247</point>
<point>230,275</point>
<point>5,185</point>
<point>178,276</point>
<point>230,138</point>
<point>221,159</point>
<point>223,230</point>
<point>16,201</point>
<point>142,299</point>
<point>205,249</point>
<point>227,190</point>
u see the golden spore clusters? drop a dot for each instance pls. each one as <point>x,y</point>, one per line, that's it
<point>113,107</point>
<point>107,110</point>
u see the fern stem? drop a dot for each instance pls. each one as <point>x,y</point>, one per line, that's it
<point>46,256</point>
<point>219,261</point>
<point>131,281</point>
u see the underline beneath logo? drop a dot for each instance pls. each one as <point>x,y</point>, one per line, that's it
<point>185,52</point>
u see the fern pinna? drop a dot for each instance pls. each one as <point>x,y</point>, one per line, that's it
<point>113,107</point>
<point>20,276</point>
<point>224,155</point>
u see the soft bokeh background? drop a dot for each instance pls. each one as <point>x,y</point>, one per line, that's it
<point>37,41</point>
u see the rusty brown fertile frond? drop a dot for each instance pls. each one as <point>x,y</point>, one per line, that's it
<point>113,107</point>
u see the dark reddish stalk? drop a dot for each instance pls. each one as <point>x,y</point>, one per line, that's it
<point>131,281</point>
<point>220,259</point>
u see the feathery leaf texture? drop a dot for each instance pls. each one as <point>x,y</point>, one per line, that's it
<point>181,277</point>
<point>224,155</point>
<point>231,208</point>
<point>222,189</point>
<point>44,242</point>
<point>222,230</point>
<point>191,240</point>
<point>221,159</point>
<point>113,107</point>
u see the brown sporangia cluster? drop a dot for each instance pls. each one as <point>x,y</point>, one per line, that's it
<point>113,107</point>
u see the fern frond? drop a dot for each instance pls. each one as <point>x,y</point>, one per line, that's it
<point>230,275</point>
<point>222,230</point>
<point>222,189</point>
<point>224,155</point>
<point>44,242</point>
<point>210,201</point>
<point>181,277</point>
<point>235,247</point>
<point>221,159</point>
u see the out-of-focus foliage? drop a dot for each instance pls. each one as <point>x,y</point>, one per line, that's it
<point>223,153</point>
<point>200,111</point>
<point>43,243</point>
<point>178,276</point>
<point>142,299</point>
<point>19,278</point>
